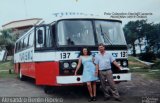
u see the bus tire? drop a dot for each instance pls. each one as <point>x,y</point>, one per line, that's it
<point>47,89</point>
<point>21,76</point>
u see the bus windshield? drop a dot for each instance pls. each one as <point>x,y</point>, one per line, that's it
<point>109,33</point>
<point>80,32</point>
<point>75,32</point>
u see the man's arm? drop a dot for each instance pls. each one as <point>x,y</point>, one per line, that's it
<point>113,60</point>
<point>116,64</point>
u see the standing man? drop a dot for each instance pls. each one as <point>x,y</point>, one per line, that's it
<point>103,62</point>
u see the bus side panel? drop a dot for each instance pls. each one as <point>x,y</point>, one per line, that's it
<point>31,69</point>
<point>28,69</point>
<point>24,69</point>
<point>46,73</point>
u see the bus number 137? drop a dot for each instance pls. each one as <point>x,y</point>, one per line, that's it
<point>65,55</point>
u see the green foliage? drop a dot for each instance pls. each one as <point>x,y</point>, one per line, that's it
<point>156,65</point>
<point>134,30</point>
<point>148,56</point>
<point>7,40</point>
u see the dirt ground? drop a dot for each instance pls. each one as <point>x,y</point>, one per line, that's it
<point>133,91</point>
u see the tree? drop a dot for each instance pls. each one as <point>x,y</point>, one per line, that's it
<point>7,40</point>
<point>134,30</point>
<point>153,35</point>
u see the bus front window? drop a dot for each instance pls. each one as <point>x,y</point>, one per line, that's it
<point>75,32</point>
<point>109,33</point>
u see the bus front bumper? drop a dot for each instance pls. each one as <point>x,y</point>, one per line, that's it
<point>77,79</point>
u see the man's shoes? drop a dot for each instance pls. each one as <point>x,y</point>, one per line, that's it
<point>118,99</point>
<point>94,98</point>
<point>106,98</point>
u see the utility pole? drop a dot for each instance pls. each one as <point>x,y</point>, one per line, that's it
<point>25,9</point>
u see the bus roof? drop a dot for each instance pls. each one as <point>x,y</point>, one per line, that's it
<point>69,17</point>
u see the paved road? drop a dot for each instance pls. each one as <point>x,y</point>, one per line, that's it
<point>131,92</point>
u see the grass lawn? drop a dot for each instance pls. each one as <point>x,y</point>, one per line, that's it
<point>4,69</point>
<point>5,74</point>
<point>133,63</point>
<point>6,65</point>
<point>138,67</point>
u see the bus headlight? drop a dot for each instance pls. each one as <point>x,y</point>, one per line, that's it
<point>124,63</point>
<point>65,65</point>
<point>73,64</point>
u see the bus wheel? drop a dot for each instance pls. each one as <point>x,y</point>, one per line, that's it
<point>20,76</point>
<point>48,89</point>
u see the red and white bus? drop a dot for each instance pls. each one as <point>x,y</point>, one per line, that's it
<point>48,52</point>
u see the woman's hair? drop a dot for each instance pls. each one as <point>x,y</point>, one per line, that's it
<point>88,52</point>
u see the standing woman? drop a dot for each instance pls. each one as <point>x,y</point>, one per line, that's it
<point>89,70</point>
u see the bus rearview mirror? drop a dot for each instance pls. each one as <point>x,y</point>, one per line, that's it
<point>40,37</point>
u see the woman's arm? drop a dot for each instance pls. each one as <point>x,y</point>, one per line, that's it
<point>93,58</point>
<point>78,66</point>
<point>95,61</point>
<point>97,68</point>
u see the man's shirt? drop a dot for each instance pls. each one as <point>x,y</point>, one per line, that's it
<point>104,61</point>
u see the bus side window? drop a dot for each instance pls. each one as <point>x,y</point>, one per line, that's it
<point>21,44</point>
<point>16,48</point>
<point>40,32</point>
<point>30,38</point>
<point>25,41</point>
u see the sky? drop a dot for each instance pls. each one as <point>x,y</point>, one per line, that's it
<point>11,10</point>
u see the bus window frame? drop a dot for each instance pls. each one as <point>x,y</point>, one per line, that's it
<point>56,46</point>
<point>35,32</point>
<point>73,48</point>
<point>94,33</point>
<point>54,36</point>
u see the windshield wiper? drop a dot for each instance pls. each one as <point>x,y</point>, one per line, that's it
<point>105,36</point>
